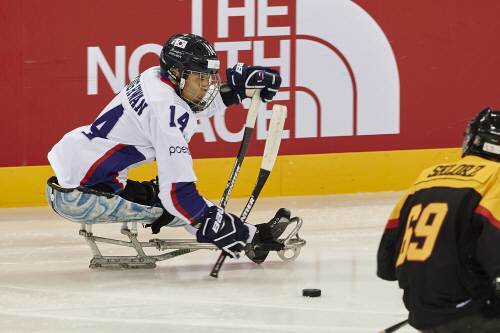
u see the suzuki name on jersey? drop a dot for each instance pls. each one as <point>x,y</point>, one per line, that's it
<point>464,170</point>
<point>135,96</point>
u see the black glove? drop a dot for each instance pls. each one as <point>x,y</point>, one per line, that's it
<point>242,77</point>
<point>160,222</point>
<point>224,230</point>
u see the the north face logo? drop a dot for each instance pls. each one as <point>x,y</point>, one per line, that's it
<point>338,68</point>
<point>339,73</point>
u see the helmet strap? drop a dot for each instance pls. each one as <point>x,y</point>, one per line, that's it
<point>177,79</point>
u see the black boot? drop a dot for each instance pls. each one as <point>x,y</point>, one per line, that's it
<point>149,197</point>
<point>160,222</point>
<point>266,237</point>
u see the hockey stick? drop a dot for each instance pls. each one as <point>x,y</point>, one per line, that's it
<point>249,125</point>
<point>270,153</point>
<point>395,327</point>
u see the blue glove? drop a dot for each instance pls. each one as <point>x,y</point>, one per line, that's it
<point>224,230</point>
<point>242,77</point>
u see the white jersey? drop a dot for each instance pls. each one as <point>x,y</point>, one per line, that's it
<point>145,121</point>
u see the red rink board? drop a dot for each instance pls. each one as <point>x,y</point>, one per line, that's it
<point>445,52</point>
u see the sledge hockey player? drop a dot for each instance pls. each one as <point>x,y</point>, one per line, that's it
<point>153,118</point>
<point>442,240</point>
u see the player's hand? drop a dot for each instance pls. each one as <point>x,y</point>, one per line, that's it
<point>242,77</point>
<point>224,230</point>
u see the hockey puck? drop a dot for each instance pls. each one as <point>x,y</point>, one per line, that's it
<point>311,292</point>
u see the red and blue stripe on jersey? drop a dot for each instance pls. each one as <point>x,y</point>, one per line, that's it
<point>105,170</point>
<point>188,201</point>
<point>488,215</point>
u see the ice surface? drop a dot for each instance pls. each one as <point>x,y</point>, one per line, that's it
<point>46,285</point>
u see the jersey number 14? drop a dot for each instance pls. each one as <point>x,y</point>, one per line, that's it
<point>105,123</point>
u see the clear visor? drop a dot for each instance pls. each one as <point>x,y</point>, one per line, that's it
<point>199,89</point>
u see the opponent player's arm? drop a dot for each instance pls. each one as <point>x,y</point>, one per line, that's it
<point>387,251</point>
<point>487,214</point>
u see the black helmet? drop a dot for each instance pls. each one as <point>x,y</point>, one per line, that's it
<point>482,135</point>
<point>188,54</point>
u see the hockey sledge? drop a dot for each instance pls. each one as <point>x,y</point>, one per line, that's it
<point>89,207</point>
<point>170,248</point>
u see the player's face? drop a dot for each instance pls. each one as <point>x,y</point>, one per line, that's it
<point>199,87</point>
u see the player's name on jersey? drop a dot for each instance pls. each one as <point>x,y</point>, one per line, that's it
<point>135,96</point>
<point>464,170</point>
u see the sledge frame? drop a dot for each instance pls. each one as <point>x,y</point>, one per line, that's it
<point>175,247</point>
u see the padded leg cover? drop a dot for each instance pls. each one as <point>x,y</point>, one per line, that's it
<point>92,207</point>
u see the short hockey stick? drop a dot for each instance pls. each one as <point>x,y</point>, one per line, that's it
<point>395,327</point>
<point>247,135</point>
<point>270,153</point>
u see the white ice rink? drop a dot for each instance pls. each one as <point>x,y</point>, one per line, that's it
<point>46,285</point>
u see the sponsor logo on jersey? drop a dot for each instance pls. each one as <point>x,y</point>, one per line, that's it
<point>178,150</point>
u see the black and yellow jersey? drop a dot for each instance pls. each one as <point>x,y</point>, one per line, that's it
<point>442,241</point>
